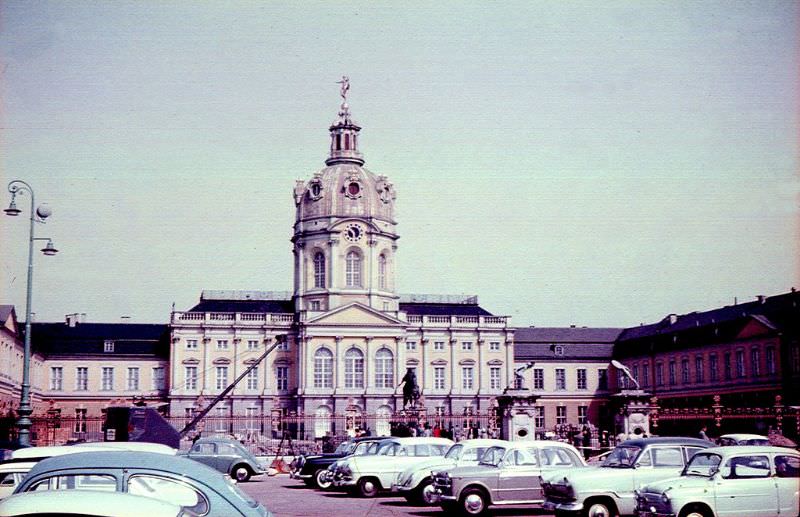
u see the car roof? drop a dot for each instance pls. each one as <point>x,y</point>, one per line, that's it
<point>17,466</point>
<point>132,460</point>
<point>484,442</point>
<point>744,436</point>
<point>667,440</point>
<point>83,502</point>
<point>422,440</point>
<point>752,449</point>
<point>47,452</point>
<point>159,448</point>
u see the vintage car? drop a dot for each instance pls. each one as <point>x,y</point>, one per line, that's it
<point>11,474</point>
<point>607,490</point>
<point>313,469</point>
<point>416,483</point>
<point>505,475</point>
<point>368,475</point>
<point>745,481</point>
<point>227,456</point>
<point>198,489</point>
<point>86,503</point>
<point>368,448</point>
<point>742,439</point>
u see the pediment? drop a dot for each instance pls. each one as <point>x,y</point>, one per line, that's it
<point>756,325</point>
<point>467,362</point>
<point>190,361</point>
<point>354,314</point>
<point>495,362</point>
<point>10,322</point>
<point>221,360</point>
<point>412,362</point>
<point>439,362</point>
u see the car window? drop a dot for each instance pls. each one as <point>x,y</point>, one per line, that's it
<point>169,490</point>
<point>76,482</point>
<point>754,441</point>
<point>691,451</point>
<point>724,442</point>
<point>703,464</point>
<point>456,450</point>
<point>422,449</point>
<point>622,456</point>
<point>390,446</point>
<point>787,466</point>
<point>7,479</point>
<point>473,454</point>
<point>667,457</point>
<point>558,456</point>
<point>226,449</point>
<point>744,467</point>
<point>438,449</point>
<point>203,448</point>
<point>526,457</point>
<point>493,455</point>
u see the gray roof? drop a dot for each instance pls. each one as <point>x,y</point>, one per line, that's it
<point>529,351</point>
<point>5,311</point>
<point>54,339</point>
<point>531,343</point>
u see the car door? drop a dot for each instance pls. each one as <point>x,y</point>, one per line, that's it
<point>657,463</point>
<point>745,487</point>
<point>226,456</point>
<point>787,483</point>
<point>518,478</point>
<point>204,453</point>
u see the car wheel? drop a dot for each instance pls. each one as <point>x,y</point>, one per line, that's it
<point>695,512</point>
<point>321,478</point>
<point>367,487</point>
<point>241,473</point>
<point>474,501</point>
<point>600,509</point>
<point>423,494</point>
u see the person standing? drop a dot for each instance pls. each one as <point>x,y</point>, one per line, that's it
<point>702,434</point>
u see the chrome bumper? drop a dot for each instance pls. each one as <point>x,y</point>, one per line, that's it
<point>563,507</point>
<point>297,475</point>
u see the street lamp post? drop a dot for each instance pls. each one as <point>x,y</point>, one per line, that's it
<point>38,216</point>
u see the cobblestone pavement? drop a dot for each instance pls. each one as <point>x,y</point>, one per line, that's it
<point>286,497</point>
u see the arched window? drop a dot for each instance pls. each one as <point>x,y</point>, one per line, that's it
<point>382,272</point>
<point>353,269</point>
<point>354,369</point>
<point>382,418</point>
<point>323,368</point>
<point>322,421</point>
<point>384,369</point>
<point>319,269</point>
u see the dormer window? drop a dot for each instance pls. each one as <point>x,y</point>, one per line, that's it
<point>558,349</point>
<point>108,346</point>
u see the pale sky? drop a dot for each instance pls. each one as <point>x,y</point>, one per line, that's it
<point>567,162</point>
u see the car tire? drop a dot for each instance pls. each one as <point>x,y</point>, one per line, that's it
<point>368,487</point>
<point>600,508</point>
<point>474,501</point>
<point>695,512</point>
<point>422,494</point>
<point>241,473</point>
<point>324,485</point>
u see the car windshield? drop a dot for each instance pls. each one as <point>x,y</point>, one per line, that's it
<point>344,447</point>
<point>622,457</point>
<point>493,456</point>
<point>455,452</point>
<point>703,464</point>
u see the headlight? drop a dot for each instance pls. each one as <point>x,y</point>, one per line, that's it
<point>665,498</point>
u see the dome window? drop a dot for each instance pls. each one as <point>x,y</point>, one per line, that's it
<point>353,189</point>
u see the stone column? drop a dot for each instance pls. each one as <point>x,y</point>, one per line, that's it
<point>267,389</point>
<point>480,343</point>
<point>173,365</point>
<point>337,358</point>
<point>453,343</point>
<point>204,367</point>
<point>399,363</point>
<point>368,383</point>
<point>236,342</point>
<point>332,280</point>
<point>423,343</point>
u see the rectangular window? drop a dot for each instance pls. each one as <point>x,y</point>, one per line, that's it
<point>108,346</point>
<point>252,379</point>
<point>740,363</point>
<point>251,414</point>
<point>673,374</point>
<point>645,375</point>
<point>494,378</point>
<point>635,372</point>
<point>159,378</point>
<point>438,378</point>
<point>252,344</point>
<point>132,381</point>
<point>494,346</point>
<point>727,365</point>
<point>538,378</point>
<point>386,306</point>
<point>582,379</point>
<point>659,374</point>
<point>538,417</point>
<point>315,306</point>
<point>411,346</point>
<point>283,345</point>
<point>80,420</point>
<point>107,378</point>
<point>583,413</point>
<point>82,378</point>
<point>222,344</point>
<point>795,357</point>
<point>699,369</point>
<point>190,374</point>
<point>438,346</point>
<point>466,346</point>
<point>561,415</point>
<point>770,357</point>
<point>755,362</point>
<point>684,371</point>
<point>222,377</point>
<point>222,419</point>
<point>602,379</point>
<point>467,380</point>
<point>191,344</point>
<point>282,377</point>
<point>713,368</point>
<point>56,378</point>
<point>561,379</point>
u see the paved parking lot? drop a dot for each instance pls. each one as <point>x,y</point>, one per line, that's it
<point>287,497</point>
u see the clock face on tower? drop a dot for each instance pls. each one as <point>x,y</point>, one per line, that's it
<point>353,232</point>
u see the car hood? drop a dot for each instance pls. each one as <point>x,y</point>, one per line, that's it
<point>439,463</point>
<point>471,470</point>
<point>580,474</point>
<point>682,482</point>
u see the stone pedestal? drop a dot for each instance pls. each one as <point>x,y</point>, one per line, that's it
<point>632,417</point>
<point>517,415</point>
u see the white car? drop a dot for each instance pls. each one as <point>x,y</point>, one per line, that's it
<point>416,482</point>
<point>11,474</point>
<point>368,475</point>
<point>741,481</point>
<point>84,503</point>
<point>742,439</point>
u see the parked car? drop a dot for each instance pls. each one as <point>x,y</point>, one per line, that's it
<point>607,490</point>
<point>506,474</point>
<point>367,448</point>
<point>746,481</point>
<point>312,469</point>
<point>227,456</point>
<point>742,439</point>
<point>11,474</point>
<point>85,503</point>
<point>368,475</point>
<point>416,482</point>
<point>198,489</point>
